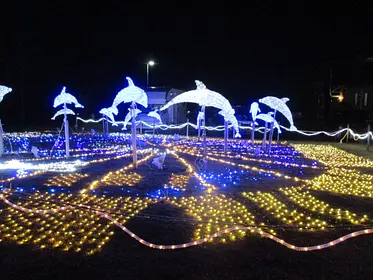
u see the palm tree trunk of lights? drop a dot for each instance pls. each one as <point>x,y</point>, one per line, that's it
<point>67,137</point>
<point>225,136</point>
<point>134,152</point>
<point>265,136</point>
<point>271,133</point>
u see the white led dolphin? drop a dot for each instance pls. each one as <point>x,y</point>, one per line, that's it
<point>110,112</point>
<point>131,93</point>
<point>129,116</point>
<point>205,97</point>
<point>155,115</point>
<point>280,106</point>
<point>67,98</point>
<point>62,112</point>
<point>3,91</point>
<point>254,109</point>
<point>269,119</point>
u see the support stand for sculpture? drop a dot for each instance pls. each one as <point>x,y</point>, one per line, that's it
<point>265,136</point>
<point>204,138</point>
<point>368,138</point>
<point>67,137</point>
<point>225,136</point>
<point>348,133</point>
<point>133,127</point>
<point>1,139</point>
<point>106,125</point>
<point>199,130</point>
<point>153,128</point>
<point>253,132</point>
<point>271,133</point>
<point>187,129</point>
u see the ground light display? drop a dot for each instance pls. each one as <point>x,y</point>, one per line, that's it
<point>78,204</point>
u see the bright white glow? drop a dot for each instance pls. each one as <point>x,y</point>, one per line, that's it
<point>254,109</point>
<point>129,116</point>
<point>151,63</point>
<point>109,112</point>
<point>131,93</point>
<point>62,112</point>
<point>205,97</point>
<point>3,91</point>
<point>155,115</point>
<point>62,166</point>
<point>269,119</point>
<point>280,106</point>
<point>67,98</point>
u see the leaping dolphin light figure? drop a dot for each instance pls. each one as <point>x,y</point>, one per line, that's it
<point>278,104</point>
<point>205,97</point>
<point>66,98</point>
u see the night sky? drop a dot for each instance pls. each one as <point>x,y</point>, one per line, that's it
<point>243,51</point>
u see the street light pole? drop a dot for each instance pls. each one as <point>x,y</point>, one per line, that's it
<point>150,63</point>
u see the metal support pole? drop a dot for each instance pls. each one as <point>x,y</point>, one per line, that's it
<point>107,125</point>
<point>348,133</point>
<point>67,137</point>
<point>103,124</point>
<point>134,151</point>
<point>187,129</point>
<point>253,132</point>
<point>147,75</point>
<point>368,138</point>
<point>153,129</point>
<point>271,133</point>
<point>204,137</point>
<point>225,136</point>
<point>265,136</point>
<point>199,130</point>
<point>1,140</point>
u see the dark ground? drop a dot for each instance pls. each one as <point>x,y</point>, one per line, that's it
<point>250,258</point>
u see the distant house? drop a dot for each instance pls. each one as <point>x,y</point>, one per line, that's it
<point>158,97</point>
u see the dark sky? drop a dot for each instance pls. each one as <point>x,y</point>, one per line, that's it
<point>244,51</point>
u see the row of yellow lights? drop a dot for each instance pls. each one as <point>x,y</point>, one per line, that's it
<point>64,180</point>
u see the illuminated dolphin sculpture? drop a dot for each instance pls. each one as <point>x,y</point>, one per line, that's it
<point>67,98</point>
<point>278,104</point>
<point>205,97</point>
<point>269,119</point>
<point>129,116</point>
<point>254,109</point>
<point>155,115</point>
<point>110,112</point>
<point>3,91</point>
<point>62,112</point>
<point>131,93</point>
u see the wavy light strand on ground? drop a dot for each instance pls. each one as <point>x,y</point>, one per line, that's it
<point>206,239</point>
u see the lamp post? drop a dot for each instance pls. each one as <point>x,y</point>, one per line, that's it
<point>150,63</point>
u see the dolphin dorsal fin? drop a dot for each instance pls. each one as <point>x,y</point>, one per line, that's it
<point>130,82</point>
<point>285,99</point>
<point>200,85</point>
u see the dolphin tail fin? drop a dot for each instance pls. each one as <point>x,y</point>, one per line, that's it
<point>130,82</point>
<point>293,128</point>
<point>237,135</point>
<point>285,99</point>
